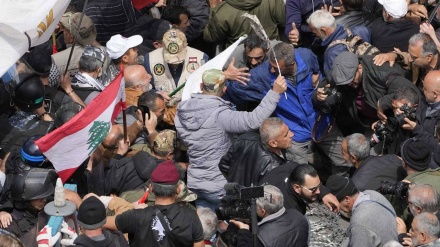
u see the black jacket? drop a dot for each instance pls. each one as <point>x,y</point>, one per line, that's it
<point>353,18</point>
<point>128,173</point>
<point>115,239</point>
<point>248,160</point>
<point>388,35</point>
<point>279,177</point>
<point>284,228</point>
<point>375,169</point>
<point>425,128</point>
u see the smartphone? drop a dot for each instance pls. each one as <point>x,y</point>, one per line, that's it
<point>145,110</point>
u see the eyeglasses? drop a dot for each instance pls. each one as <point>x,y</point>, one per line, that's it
<point>312,190</point>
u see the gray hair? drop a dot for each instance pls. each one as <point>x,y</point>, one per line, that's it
<point>428,45</point>
<point>428,223</point>
<point>209,222</point>
<point>283,52</point>
<point>424,196</point>
<point>270,129</point>
<point>89,64</point>
<point>321,18</point>
<point>273,200</point>
<point>358,145</point>
<point>164,190</point>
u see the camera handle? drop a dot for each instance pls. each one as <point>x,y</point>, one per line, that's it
<point>254,221</point>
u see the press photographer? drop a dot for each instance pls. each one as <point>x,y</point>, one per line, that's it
<point>428,112</point>
<point>390,132</point>
<point>278,227</point>
<point>364,95</point>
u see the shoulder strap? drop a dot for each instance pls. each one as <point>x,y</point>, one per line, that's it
<point>166,227</point>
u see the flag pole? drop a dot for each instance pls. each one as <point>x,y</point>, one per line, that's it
<point>74,39</point>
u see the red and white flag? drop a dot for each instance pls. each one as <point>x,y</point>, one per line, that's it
<point>70,145</point>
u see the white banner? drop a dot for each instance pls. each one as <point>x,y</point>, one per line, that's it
<point>193,83</point>
<point>36,18</point>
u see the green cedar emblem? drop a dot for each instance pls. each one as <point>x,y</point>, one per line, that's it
<point>97,134</point>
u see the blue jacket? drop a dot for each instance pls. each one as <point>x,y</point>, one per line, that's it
<point>297,110</point>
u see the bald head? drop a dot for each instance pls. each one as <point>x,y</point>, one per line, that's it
<point>431,86</point>
<point>116,134</point>
<point>136,77</point>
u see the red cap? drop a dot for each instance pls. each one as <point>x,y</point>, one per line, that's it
<point>165,173</point>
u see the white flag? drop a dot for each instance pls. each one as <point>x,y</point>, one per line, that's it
<point>24,24</point>
<point>193,83</point>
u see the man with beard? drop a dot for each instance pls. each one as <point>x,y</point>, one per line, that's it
<point>301,187</point>
<point>364,207</point>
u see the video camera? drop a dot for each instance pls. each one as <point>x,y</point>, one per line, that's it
<point>399,189</point>
<point>236,203</point>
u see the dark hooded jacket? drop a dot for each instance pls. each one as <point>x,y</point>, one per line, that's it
<point>115,239</point>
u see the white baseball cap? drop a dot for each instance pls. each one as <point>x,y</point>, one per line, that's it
<point>395,8</point>
<point>118,45</point>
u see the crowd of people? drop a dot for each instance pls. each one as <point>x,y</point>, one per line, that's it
<point>323,131</point>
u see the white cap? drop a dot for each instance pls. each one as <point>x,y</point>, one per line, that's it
<point>118,45</point>
<point>395,8</point>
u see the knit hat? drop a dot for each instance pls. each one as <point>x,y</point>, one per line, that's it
<point>395,8</point>
<point>91,214</point>
<point>119,45</point>
<point>344,68</point>
<point>340,186</point>
<point>87,33</point>
<point>174,46</point>
<point>416,154</point>
<point>165,173</point>
<point>165,141</point>
<point>213,79</point>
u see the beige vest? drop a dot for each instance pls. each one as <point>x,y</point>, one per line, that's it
<point>61,58</point>
<point>163,80</point>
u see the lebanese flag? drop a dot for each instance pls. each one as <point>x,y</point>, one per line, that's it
<point>70,145</point>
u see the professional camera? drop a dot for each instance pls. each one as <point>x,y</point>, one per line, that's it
<point>398,120</point>
<point>382,132</point>
<point>399,189</point>
<point>236,203</point>
<point>333,97</point>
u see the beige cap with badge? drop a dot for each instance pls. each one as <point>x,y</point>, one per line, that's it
<point>174,50</point>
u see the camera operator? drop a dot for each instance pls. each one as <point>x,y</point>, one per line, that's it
<point>278,226</point>
<point>389,134</point>
<point>370,170</point>
<point>428,112</point>
<point>364,95</point>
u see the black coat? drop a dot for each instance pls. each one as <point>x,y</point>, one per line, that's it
<point>279,177</point>
<point>128,173</point>
<point>110,240</point>
<point>375,169</point>
<point>248,160</point>
<point>290,228</point>
<point>425,127</point>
